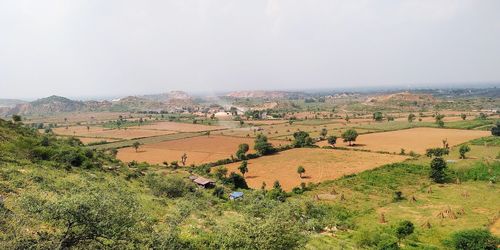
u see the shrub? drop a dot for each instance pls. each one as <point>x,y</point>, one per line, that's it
<point>169,186</point>
<point>463,150</point>
<point>438,167</point>
<point>404,229</point>
<point>474,239</point>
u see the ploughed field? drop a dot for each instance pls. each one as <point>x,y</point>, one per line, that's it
<point>201,149</point>
<point>415,139</point>
<point>320,165</point>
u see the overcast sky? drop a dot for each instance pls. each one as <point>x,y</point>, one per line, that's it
<point>118,47</point>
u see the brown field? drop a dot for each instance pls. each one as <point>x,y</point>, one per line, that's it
<point>100,132</point>
<point>180,127</point>
<point>415,139</point>
<point>320,165</point>
<point>201,149</point>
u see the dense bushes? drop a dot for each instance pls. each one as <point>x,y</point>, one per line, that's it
<point>475,239</point>
<point>169,186</point>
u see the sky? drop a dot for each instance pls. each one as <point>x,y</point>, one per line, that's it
<point>122,47</point>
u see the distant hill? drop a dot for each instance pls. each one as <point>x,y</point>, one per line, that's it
<point>10,102</point>
<point>403,99</point>
<point>261,94</point>
<point>51,104</point>
<point>177,95</point>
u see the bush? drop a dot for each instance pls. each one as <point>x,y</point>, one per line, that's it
<point>438,167</point>
<point>404,229</point>
<point>169,186</point>
<point>474,239</point>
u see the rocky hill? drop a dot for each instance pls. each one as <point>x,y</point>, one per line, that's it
<point>260,94</point>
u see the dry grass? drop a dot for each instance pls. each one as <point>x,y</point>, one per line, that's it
<point>320,165</point>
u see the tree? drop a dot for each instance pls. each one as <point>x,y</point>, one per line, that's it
<point>218,192</point>
<point>378,116</point>
<point>323,132</point>
<point>277,192</point>
<point>243,168</point>
<point>242,150</point>
<point>438,167</point>
<point>439,120</point>
<point>404,229</point>
<point>302,139</point>
<point>220,172</point>
<point>301,170</point>
<point>349,136</point>
<point>237,181</point>
<point>16,118</point>
<point>184,159</point>
<point>411,117</point>
<point>463,116</point>
<point>474,239</point>
<point>463,150</point>
<point>332,140</point>
<point>136,145</point>
<point>262,146</point>
<point>437,152</point>
<point>496,130</point>
<point>482,116</point>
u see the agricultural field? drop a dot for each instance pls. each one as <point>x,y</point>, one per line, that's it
<point>415,139</point>
<point>100,132</point>
<point>320,165</point>
<point>179,127</point>
<point>200,149</point>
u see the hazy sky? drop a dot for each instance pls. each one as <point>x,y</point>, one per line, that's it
<point>115,47</point>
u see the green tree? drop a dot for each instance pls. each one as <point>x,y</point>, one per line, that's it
<point>474,239</point>
<point>378,116</point>
<point>404,229</point>
<point>237,181</point>
<point>463,150</point>
<point>349,136</point>
<point>411,117</point>
<point>437,152</point>
<point>463,116</point>
<point>496,130</point>
<point>277,192</point>
<point>301,170</point>
<point>438,168</point>
<point>439,120</point>
<point>136,145</point>
<point>220,172</point>
<point>262,146</point>
<point>16,118</point>
<point>332,140</point>
<point>243,168</point>
<point>302,139</point>
<point>242,150</point>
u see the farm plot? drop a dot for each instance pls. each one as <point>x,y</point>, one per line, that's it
<point>180,127</point>
<point>416,139</point>
<point>87,140</point>
<point>100,132</point>
<point>201,149</point>
<point>320,165</point>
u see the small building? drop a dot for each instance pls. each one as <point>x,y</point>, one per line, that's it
<point>204,182</point>
<point>236,195</point>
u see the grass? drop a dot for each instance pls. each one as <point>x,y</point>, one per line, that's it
<point>371,193</point>
<point>487,141</point>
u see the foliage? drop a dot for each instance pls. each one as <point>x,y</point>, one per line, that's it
<point>463,150</point>
<point>404,228</point>
<point>262,146</point>
<point>474,239</point>
<point>437,152</point>
<point>302,139</point>
<point>168,186</point>
<point>236,181</point>
<point>350,135</point>
<point>243,168</point>
<point>496,130</point>
<point>438,167</point>
<point>242,150</point>
<point>332,140</point>
<point>301,170</point>
<point>378,116</point>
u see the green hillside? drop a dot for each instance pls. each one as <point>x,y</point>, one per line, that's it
<point>57,194</point>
